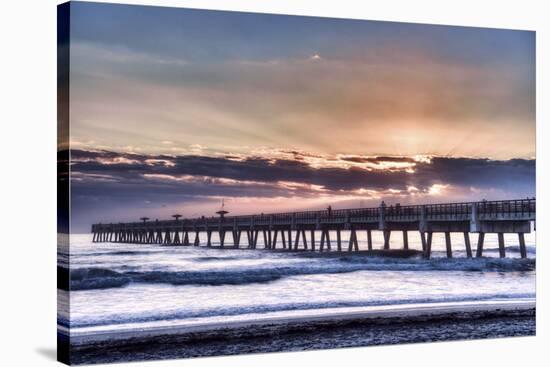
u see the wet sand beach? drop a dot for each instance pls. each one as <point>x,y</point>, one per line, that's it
<point>371,326</point>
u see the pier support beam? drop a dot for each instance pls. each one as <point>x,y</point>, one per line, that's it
<point>353,241</point>
<point>208,238</point>
<point>480,240</point>
<point>197,240</point>
<point>428,251</point>
<point>423,240</point>
<point>167,239</point>
<point>522,248</point>
<point>405,240</point>
<point>501,248</point>
<point>325,237</point>
<point>274,243</point>
<point>312,240</point>
<point>387,235</point>
<point>250,238</point>
<point>338,240</point>
<point>467,244</point>
<point>266,240</point>
<point>369,239</point>
<point>304,239</point>
<point>300,233</point>
<point>222,238</point>
<point>290,239</point>
<point>448,245</point>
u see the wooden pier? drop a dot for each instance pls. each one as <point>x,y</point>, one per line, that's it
<point>290,231</point>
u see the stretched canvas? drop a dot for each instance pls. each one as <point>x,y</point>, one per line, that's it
<point>235,182</point>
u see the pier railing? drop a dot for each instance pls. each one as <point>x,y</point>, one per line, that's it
<point>486,210</point>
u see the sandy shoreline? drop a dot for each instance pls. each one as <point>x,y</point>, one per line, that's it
<point>373,314</point>
<point>369,327</point>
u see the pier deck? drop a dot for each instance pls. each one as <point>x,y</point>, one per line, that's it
<point>505,216</point>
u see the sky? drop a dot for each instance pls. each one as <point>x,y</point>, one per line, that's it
<point>173,110</point>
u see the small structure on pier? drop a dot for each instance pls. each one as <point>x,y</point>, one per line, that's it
<point>222,212</point>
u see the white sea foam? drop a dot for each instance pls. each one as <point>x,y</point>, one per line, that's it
<point>120,285</point>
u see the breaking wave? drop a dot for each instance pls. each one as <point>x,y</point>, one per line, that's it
<point>267,308</point>
<point>101,278</point>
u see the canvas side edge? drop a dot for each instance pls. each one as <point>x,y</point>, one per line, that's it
<point>63,182</point>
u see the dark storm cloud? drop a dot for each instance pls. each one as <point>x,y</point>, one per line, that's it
<point>255,175</point>
<point>500,174</point>
<point>360,159</point>
<point>111,186</point>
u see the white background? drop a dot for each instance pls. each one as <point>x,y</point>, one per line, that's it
<point>28,182</point>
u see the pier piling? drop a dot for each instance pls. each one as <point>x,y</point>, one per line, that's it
<point>522,248</point>
<point>501,248</point>
<point>387,235</point>
<point>448,245</point>
<point>405,240</point>
<point>369,240</point>
<point>467,245</point>
<point>480,240</point>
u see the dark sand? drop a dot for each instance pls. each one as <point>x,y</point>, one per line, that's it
<point>310,334</point>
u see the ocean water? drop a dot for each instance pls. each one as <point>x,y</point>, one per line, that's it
<point>134,286</point>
